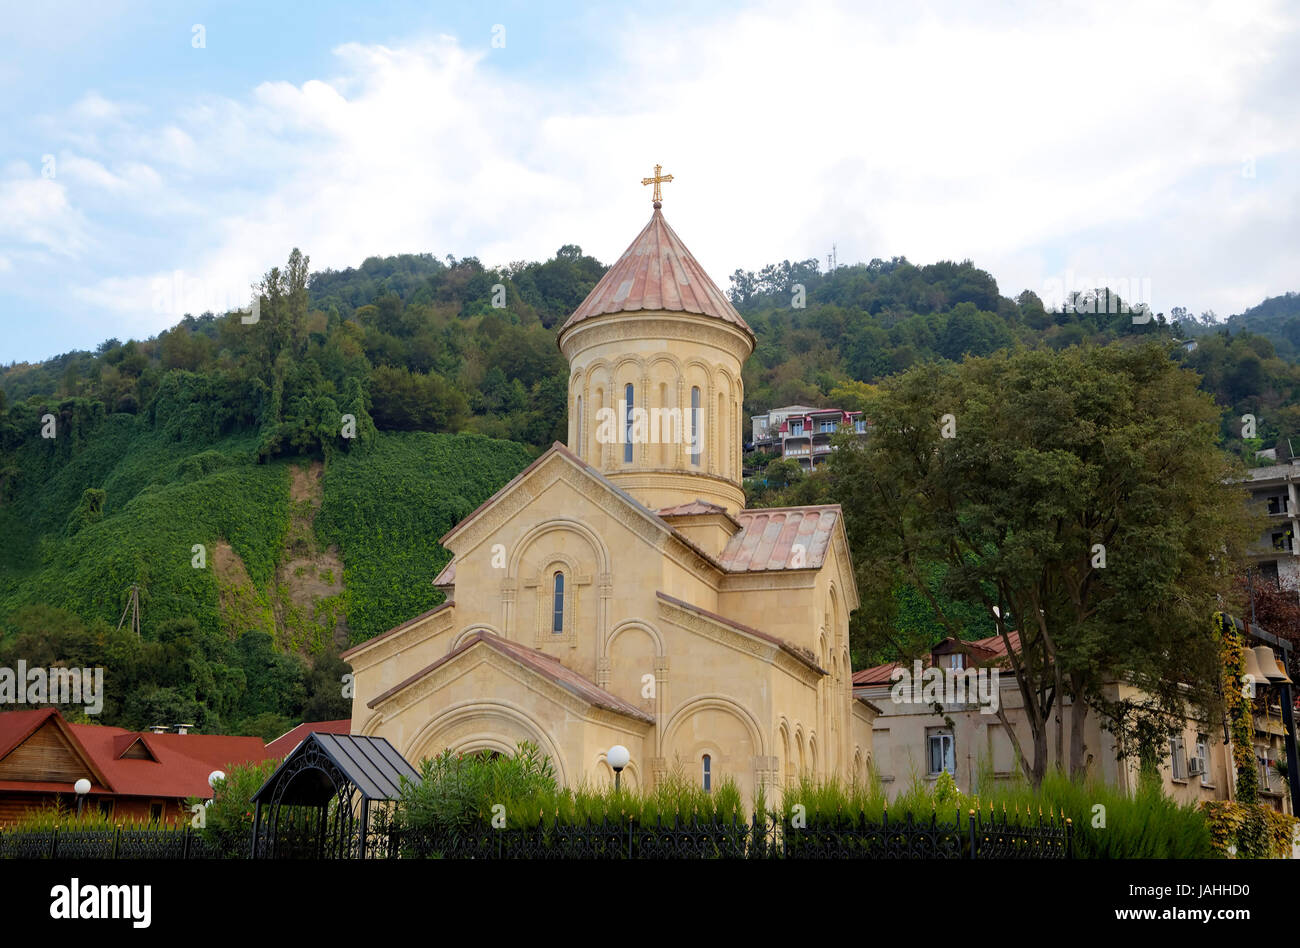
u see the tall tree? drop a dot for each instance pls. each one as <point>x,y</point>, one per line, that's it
<point>1078,498</point>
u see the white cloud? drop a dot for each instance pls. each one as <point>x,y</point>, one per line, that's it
<point>1104,137</point>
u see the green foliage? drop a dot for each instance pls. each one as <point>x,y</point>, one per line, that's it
<point>229,823</point>
<point>388,507</point>
<point>456,792</point>
<point>1249,830</point>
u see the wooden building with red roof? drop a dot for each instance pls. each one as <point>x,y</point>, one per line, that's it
<point>133,774</point>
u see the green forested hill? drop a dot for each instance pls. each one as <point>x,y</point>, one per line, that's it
<point>317,454</point>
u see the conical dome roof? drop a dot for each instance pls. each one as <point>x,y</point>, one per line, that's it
<point>657,272</point>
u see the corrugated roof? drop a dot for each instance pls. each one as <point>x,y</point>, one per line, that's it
<point>657,272</point>
<point>546,666</point>
<point>768,537</point>
<point>370,764</point>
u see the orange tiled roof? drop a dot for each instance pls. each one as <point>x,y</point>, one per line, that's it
<point>657,272</point>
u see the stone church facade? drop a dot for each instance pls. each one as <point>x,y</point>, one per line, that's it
<point>617,592</point>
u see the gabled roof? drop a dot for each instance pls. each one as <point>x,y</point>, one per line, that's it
<point>802,654</point>
<point>982,650</point>
<point>178,765</point>
<point>395,629</point>
<point>657,272</point>
<point>370,764</point>
<point>541,663</point>
<point>768,537</point>
<point>286,742</point>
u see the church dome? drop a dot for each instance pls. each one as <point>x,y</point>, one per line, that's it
<point>655,356</point>
<point>657,272</point>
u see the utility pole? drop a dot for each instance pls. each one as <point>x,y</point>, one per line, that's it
<point>132,607</point>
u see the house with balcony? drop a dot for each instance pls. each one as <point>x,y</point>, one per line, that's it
<point>1276,556</point>
<point>803,433</point>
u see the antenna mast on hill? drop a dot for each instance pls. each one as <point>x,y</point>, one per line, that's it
<point>132,607</point>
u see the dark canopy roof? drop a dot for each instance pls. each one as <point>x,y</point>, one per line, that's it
<point>370,764</point>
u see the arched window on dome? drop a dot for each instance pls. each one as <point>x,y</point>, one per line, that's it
<point>708,773</point>
<point>695,426</point>
<point>627,425</point>
<point>578,440</point>
<point>557,610</point>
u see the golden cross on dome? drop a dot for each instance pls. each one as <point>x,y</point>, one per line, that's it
<point>657,180</point>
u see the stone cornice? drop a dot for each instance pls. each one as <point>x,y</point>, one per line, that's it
<point>656,324</point>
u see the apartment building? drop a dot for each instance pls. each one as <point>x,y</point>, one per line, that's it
<point>1276,556</point>
<point>803,433</point>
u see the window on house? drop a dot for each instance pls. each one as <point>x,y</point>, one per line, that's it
<point>941,753</point>
<point>796,428</point>
<point>1261,757</point>
<point>1203,755</point>
<point>827,426</point>
<point>957,661</point>
<point>708,773</point>
<point>1282,540</point>
<point>695,426</point>
<point>1178,756</point>
<point>860,426</point>
<point>1277,505</point>
<point>627,426</point>
<point>557,610</point>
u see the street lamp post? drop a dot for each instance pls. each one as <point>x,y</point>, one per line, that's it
<point>82,787</point>
<point>617,757</point>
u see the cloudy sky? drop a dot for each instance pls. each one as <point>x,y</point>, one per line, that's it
<point>159,157</point>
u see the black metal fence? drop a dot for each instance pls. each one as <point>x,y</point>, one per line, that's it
<point>762,837</point>
<point>180,842</point>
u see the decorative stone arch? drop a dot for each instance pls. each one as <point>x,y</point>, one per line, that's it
<point>626,625</point>
<point>812,753</point>
<point>783,745</point>
<point>717,702</point>
<point>802,763</point>
<point>470,630</point>
<point>493,721</point>
<point>371,725</point>
<point>559,524</point>
<point>859,773</point>
<point>631,770</point>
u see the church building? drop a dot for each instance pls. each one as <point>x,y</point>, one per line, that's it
<point>617,591</point>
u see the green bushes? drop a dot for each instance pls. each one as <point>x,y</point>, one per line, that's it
<point>229,821</point>
<point>1249,830</point>
<point>387,507</point>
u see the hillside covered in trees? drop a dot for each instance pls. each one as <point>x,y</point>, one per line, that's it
<point>273,490</point>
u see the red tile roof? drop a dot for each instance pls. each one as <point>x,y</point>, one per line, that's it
<point>283,745</point>
<point>768,537</point>
<point>991,648</point>
<point>657,272</point>
<point>180,766</point>
<point>546,666</point>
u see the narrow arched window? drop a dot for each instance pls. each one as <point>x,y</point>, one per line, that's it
<point>695,426</point>
<point>627,424</point>
<point>557,614</point>
<point>708,773</point>
<point>578,440</point>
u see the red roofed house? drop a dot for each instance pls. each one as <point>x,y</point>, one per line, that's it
<point>914,741</point>
<point>283,746</point>
<point>132,774</point>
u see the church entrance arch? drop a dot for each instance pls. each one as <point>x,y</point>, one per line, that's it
<point>474,726</point>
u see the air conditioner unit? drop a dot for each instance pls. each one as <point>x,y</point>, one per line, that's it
<point>1195,767</point>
